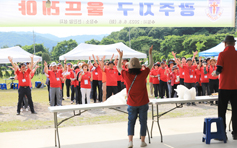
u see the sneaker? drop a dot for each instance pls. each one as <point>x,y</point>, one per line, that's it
<point>18,113</point>
<point>63,99</point>
<point>143,144</point>
<point>72,102</point>
<point>21,109</point>
<point>27,109</point>
<point>33,113</point>
<point>194,104</point>
<point>130,144</point>
<point>68,97</point>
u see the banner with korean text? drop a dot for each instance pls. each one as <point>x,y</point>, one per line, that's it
<point>115,13</point>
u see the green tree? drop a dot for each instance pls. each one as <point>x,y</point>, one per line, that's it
<point>123,35</point>
<point>200,45</point>
<point>5,46</point>
<point>39,49</point>
<point>107,41</point>
<point>93,41</point>
<point>12,73</point>
<point>1,74</point>
<point>46,57</point>
<point>62,48</point>
<point>172,43</point>
<point>7,74</point>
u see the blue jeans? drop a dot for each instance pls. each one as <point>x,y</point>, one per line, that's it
<point>133,112</point>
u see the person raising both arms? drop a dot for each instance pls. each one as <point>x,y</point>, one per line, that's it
<point>24,84</point>
<point>189,72</point>
<point>137,101</point>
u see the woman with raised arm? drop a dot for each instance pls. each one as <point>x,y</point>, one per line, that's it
<point>138,100</point>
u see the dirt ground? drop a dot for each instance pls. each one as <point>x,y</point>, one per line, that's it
<point>8,113</point>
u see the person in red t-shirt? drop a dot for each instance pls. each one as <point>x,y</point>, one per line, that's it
<point>150,82</point>
<point>124,66</point>
<point>198,82</point>
<point>119,77</point>
<point>55,77</point>
<point>85,78</point>
<point>227,68</point>
<point>74,85</point>
<point>162,76</point>
<point>154,74</point>
<point>97,80</point>
<point>189,72</point>
<point>181,70</point>
<point>213,81</point>
<point>137,94</point>
<point>61,67</point>
<point>24,84</point>
<point>111,81</point>
<point>204,78</point>
<point>175,79</point>
<point>170,66</point>
<point>68,81</point>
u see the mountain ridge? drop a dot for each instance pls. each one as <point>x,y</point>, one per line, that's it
<point>13,38</point>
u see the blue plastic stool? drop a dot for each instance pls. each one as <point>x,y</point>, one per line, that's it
<point>15,86</point>
<point>208,135</point>
<point>4,86</point>
<point>36,83</point>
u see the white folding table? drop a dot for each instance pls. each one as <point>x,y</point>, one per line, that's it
<point>84,107</point>
<point>179,104</point>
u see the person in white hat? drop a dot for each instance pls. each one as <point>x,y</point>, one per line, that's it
<point>55,77</point>
<point>138,100</point>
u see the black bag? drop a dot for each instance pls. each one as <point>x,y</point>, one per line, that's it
<point>38,85</point>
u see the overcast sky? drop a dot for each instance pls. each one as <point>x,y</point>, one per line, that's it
<point>64,31</point>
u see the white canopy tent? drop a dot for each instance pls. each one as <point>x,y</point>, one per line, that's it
<point>18,54</point>
<point>84,51</point>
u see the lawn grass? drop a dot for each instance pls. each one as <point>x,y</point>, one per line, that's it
<point>18,125</point>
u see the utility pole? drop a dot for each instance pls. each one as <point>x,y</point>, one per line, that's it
<point>34,41</point>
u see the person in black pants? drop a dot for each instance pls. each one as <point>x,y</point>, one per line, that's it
<point>163,88</point>
<point>23,76</point>
<point>213,81</point>
<point>111,79</point>
<point>162,76</point>
<point>111,90</point>
<point>68,81</point>
<point>227,68</point>
<point>156,89</point>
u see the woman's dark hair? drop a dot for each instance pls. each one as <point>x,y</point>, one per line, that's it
<point>76,68</point>
<point>134,71</point>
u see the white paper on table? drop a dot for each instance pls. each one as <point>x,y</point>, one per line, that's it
<point>118,98</point>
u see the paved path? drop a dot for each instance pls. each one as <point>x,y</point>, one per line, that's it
<point>178,133</point>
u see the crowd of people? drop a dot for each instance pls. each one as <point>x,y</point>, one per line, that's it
<point>101,79</point>
<point>97,81</point>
